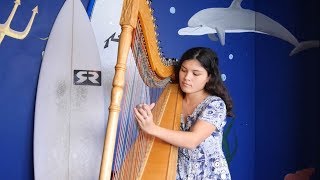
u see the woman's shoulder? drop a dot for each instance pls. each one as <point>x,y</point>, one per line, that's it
<point>213,101</point>
<point>213,98</point>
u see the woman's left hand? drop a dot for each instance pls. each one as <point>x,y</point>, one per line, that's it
<point>144,117</point>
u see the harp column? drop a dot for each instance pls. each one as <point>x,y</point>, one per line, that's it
<point>128,22</point>
<point>116,97</point>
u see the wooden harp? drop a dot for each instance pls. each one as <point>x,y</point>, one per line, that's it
<point>146,157</point>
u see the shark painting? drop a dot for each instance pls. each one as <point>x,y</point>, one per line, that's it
<point>235,19</point>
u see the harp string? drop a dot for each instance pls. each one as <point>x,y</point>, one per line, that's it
<point>135,92</point>
<point>150,78</point>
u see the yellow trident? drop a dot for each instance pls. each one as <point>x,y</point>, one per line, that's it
<point>5,29</point>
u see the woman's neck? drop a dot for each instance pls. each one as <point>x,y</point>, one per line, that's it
<point>195,98</point>
<point>191,101</point>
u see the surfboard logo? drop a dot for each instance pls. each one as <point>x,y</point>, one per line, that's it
<point>87,77</point>
<point>111,38</point>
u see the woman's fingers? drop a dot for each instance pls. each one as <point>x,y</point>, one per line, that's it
<point>144,110</point>
<point>149,108</point>
<point>138,120</point>
<point>144,117</point>
<point>138,114</point>
<point>152,106</point>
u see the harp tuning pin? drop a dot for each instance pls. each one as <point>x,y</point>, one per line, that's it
<point>174,60</point>
<point>170,62</point>
<point>153,19</point>
<point>164,60</point>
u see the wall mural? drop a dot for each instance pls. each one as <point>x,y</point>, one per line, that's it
<point>235,19</point>
<point>5,29</point>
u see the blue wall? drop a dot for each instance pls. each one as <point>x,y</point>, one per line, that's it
<point>287,93</point>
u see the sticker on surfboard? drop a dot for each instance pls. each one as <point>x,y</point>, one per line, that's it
<point>86,77</point>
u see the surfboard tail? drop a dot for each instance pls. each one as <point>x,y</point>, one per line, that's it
<point>305,45</point>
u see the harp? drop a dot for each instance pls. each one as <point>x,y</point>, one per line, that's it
<point>144,157</point>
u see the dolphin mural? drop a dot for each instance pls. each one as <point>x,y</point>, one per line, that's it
<point>235,19</point>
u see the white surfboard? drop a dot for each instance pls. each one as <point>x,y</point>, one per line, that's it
<point>105,21</point>
<point>69,125</point>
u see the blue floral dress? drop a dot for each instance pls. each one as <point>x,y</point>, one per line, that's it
<point>206,161</point>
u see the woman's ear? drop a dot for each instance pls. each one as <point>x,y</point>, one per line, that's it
<point>208,78</point>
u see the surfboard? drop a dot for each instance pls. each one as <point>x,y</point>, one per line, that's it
<point>105,20</point>
<point>69,120</point>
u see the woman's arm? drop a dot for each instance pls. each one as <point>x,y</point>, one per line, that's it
<point>198,132</point>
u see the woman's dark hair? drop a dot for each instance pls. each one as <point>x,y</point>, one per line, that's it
<point>209,61</point>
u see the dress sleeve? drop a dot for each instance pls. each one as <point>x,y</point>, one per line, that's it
<point>215,113</point>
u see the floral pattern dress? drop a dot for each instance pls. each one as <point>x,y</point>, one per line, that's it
<point>206,161</point>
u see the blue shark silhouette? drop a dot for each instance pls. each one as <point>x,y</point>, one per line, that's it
<point>235,19</point>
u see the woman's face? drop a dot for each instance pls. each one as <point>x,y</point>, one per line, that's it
<point>192,76</point>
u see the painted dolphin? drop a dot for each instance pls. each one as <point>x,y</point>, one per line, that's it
<point>235,19</point>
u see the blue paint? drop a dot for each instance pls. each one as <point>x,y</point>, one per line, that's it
<point>90,7</point>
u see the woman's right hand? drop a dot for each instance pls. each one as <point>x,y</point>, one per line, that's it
<point>144,117</point>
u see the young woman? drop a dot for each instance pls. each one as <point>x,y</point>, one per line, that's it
<point>205,105</point>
